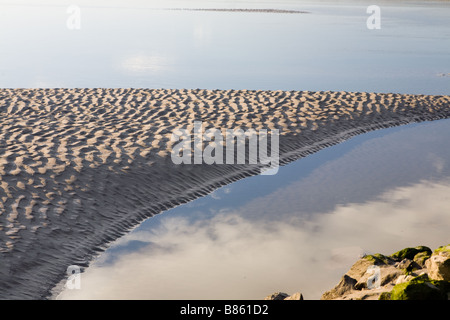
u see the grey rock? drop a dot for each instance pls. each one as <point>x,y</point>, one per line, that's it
<point>375,276</point>
<point>438,264</point>
<point>386,274</point>
<point>421,258</point>
<point>295,296</point>
<point>277,296</point>
<point>345,286</point>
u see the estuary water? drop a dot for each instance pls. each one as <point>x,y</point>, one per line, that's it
<point>139,43</point>
<point>298,230</point>
<point>301,229</point>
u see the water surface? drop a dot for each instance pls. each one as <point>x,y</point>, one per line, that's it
<point>301,229</point>
<point>138,44</point>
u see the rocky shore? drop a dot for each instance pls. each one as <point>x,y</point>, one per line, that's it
<point>410,274</point>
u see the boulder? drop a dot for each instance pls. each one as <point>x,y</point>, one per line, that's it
<point>407,265</point>
<point>375,270</point>
<point>409,274</point>
<point>284,296</point>
<point>277,296</point>
<point>359,268</point>
<point>421,257</point>
<point>438,264</point>
<point>345,286</point>
<point>379,259</point>
<point>404,278</point>
<point>295,296</point>
<point>410,253</point>
<point>419,288</point>
<point>377,276</point>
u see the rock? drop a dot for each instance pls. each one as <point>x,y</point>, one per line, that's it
<point>378,276</point>
<point>407,265</point>
<point>404,264</point>
<point>295,296</point>
<point>410,253</point>
<point>277,296</point>
<point>385,296</point>
<point>438,264</point>
<point>359,268</point>
<point>443,249</point>
<point>373,294</point>
<point>378,259</point>
<point>419,288</point>
<point>369,272</point>
<point>421,257</point>
<point>345,286</point>
<point>409,274</point>
<point>284,296</point>
<point>403,278</point>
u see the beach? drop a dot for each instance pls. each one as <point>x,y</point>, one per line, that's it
<point>297,231</point>
<point>233,148</point>
<point>81,167</point>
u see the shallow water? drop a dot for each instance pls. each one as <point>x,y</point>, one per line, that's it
<point>299,230</point>
<point>378,192</point>
<point>137,44</point>
<point>366,195</point>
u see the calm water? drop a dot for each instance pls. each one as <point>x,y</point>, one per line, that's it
<point>301,229</point>
<point>136,44</point>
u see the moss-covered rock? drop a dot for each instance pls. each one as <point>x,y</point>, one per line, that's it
<point>377,276</point>
<point>438,265</point>
<point>407,266</point>
<point>416,291</point>
<point>421,257</point>
<point>443,249</point>
<point>410,253</point>
<point>410,274</point>
<point>359,268</point>
<point>385,296</point>
<point>377,259</point>
<point>420,288</point>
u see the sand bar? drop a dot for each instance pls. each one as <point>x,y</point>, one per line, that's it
<point>81,167</point>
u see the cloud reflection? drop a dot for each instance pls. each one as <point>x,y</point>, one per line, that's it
<point>229,256</point>
<point>140,63</point>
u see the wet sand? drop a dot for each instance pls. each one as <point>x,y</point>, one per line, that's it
<point>81,167</point>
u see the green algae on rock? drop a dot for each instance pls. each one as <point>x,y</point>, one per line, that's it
<point>410,253</point>
<point>421,257</point>
<point>445,249</point>
<point>438,264</point>
<point>415,273</point>
<point>420,288</point>
<point>378,258</point>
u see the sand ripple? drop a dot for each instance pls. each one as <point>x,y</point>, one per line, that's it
<point>80,167</point>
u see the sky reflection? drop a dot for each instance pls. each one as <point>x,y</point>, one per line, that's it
<point>138,44</point>
<point>275,240</point>
<point>301,229</point>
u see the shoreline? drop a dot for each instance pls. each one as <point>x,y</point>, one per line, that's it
<point>72,225</point>
<point>413,273</point>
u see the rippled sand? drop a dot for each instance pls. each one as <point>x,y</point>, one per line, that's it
<point>81,167</point>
